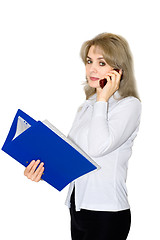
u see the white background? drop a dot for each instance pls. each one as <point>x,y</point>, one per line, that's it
<point>42,74</point>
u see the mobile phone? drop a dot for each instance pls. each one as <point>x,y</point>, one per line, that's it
<point>103,82</point>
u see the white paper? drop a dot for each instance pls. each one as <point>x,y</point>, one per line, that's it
<point>22,126</point>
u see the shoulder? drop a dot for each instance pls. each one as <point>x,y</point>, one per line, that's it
<point>128,106</point>
<point>131,102</point>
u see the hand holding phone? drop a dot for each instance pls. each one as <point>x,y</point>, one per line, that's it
<point>103,82</point>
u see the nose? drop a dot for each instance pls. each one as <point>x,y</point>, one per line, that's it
<point>93,68</point>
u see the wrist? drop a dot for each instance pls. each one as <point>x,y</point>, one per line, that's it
<point>102,99</point>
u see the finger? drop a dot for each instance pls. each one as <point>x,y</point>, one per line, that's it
<point>108,79</point>
<point>120,71</point>
<point>111,76</point>
<point>115,72</point>
<point>38,170</point>
<point>32,170</point>
<point>111,73</point>
<point>108,82</point>
<point>38,177</point>
<point>118,74</point>
<point>28,168</point>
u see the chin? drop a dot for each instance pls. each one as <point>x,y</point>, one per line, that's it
<point>94,84</point>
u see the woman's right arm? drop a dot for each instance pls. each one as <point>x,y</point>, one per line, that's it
<point>107,132</point>
<point>33,171</point>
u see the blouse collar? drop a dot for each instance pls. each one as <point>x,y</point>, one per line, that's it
<point>90,102</point>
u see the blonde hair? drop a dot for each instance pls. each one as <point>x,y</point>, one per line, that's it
<point>117,54</point>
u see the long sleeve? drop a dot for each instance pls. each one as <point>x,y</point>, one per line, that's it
<point>109,132</point>
<point>105,131</point>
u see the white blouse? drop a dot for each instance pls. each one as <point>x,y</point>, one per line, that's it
<point>105,131</point>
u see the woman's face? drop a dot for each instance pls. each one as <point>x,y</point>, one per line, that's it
<point>96,66</point>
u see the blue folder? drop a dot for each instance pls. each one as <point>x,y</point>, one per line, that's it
<point>63,160</point>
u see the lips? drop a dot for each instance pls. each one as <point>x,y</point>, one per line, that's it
<point>94,78</point>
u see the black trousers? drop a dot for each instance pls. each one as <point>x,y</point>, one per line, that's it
<point>99,225</point>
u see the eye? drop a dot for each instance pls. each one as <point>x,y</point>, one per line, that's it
<point>102,63</point>
<point>88,61</point>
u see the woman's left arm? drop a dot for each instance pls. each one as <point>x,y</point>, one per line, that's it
<point>107,134</point>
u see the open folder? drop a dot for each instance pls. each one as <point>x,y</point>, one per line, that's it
<point>63,160</point>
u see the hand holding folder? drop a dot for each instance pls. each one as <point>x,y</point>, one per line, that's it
<point>64,161</point>
<point>34,170</point>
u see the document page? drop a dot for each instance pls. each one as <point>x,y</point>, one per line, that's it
<point>22,125</point>
<point>60,134</point>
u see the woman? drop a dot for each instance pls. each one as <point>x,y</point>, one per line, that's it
<point>104,127</point>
